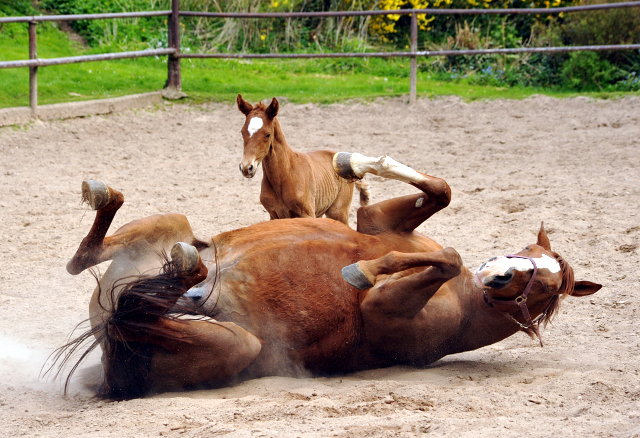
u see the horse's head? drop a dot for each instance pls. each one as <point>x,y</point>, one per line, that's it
<point>530,281</point>
<point>257,133</point>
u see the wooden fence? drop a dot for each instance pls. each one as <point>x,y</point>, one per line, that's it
<point>174,80</point>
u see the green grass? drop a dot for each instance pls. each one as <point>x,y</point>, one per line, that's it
<point>300,81</point>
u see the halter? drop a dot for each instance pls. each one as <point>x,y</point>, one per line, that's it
<point>521,302</point>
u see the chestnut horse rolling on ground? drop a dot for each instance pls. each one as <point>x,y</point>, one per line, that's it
<point>300,296</point>
<point>294,184</point>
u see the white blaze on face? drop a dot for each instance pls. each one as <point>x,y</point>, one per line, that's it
<point>254,125</point>
<point>502,264</point>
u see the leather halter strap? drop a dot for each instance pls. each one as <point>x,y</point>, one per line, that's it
<point>521,301</point>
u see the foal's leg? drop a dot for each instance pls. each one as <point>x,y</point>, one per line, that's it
<point>403,214</point>
<point>401,284</point>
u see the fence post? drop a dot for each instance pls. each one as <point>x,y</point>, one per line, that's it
<point>174,81</point>
<point>33,71</point>
<point>414,63</point>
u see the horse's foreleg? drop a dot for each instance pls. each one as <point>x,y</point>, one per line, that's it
<point>403,214</point>
<point>401,284</point>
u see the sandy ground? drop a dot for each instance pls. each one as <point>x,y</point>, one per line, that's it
<point>573,163</point>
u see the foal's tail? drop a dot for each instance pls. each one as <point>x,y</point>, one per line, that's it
<point>365,192</point>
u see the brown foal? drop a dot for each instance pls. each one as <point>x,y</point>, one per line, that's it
<point>294,184</point>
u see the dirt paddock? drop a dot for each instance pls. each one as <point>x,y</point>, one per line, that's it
<point>573,163</point>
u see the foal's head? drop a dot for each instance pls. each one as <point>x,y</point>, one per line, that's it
<point>529,283</point>
<point>257,133</point>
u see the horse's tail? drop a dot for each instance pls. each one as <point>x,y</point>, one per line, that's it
<point>130,332</point>
<point>365,192</point>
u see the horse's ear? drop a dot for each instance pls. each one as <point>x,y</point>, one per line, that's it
<point>584,288</point>
<point>244,106</point>
<point>272,109</point>
<point>543,240</point>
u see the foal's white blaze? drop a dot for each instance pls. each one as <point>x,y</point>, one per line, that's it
<point>502,264</point>
<point>254,125</point>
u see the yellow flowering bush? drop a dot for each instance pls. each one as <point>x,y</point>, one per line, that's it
<point>391,27</point>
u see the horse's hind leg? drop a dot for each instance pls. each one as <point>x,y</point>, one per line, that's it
<point>106,201</point>
<point>402,214</point>
<point>207,352</point>
<point>137,238</point>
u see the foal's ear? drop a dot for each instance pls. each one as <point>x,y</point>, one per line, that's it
<point>543,240</point>
<point>584,288</point>
<point>244,106</point>
<point>272,109</point>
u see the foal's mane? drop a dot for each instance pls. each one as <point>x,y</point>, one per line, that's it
<point>142,301</point>
<point>260,106</point>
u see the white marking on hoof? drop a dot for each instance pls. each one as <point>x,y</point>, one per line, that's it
<point>254,125</point>
<point>419,202</point>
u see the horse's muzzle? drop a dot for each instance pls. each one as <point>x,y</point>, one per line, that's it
<point>248,171</point>
<point>499,281</point>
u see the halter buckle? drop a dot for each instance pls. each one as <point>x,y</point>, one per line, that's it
<point>519,300</point>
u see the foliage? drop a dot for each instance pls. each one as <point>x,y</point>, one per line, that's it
<point>617,71</point>
<point>586,71</point>
<point>16,7</point>
<point>131,33</point>
<point>606,27</point>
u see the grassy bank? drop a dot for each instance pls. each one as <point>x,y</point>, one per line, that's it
<point>321,81</point>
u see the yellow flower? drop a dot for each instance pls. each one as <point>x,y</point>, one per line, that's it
<point>275,4</point>
<point>263,37</point>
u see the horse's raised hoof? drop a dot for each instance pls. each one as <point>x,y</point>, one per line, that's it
<point>342,166</point>
<point>95,193</point>
<point>355,277</point>
<point>185,257</point>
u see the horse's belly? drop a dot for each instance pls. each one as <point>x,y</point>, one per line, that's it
<point>281,281</point>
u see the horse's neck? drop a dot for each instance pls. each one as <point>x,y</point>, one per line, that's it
<point>277,163</point>
<point>484,325</point>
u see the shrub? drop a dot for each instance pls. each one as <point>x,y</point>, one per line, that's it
<point>612,26</point>
<point>585,71</point>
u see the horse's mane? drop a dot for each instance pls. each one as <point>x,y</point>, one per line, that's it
<point>566,288</point>
<point>142,301</point>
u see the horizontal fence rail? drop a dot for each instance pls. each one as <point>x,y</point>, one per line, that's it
<point>418,53</point>
<point>174,55</point>
<point>43,62</point>
<point>76,17</point>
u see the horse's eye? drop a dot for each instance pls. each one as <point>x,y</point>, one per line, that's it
<point>268,135</point>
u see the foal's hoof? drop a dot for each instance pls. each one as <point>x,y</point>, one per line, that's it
<point>342,166</point>
<point>355,277</point>
<point>185,257</point>
<point>95,193</point>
